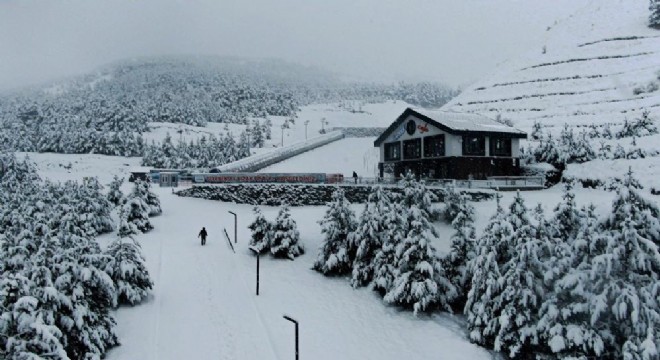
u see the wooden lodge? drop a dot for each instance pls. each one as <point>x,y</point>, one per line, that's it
<point>449,145</point>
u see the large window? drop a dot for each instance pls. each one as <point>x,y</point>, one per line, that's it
<point>412,149</point>
<point>474,145</point>
<point>500,146</point>
<point>434,146</point>
<point>393,151</point>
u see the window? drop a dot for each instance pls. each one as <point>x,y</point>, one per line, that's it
<point>500,146</point>
<point>434,146</point>
<point>412,149</point>
<point>474,145</point>
<point>393,151</point>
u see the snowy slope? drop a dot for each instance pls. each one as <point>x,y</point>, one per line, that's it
<point>340,157</point>
<point>591,65</point>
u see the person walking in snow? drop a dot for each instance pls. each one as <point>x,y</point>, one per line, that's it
<point>203,235</point>
<point>355,177</point>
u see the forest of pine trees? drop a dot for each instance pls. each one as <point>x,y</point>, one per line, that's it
<point>57,286</point>
<point>574,285</point>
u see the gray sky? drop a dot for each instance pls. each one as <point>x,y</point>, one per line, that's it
<point>456,41</point>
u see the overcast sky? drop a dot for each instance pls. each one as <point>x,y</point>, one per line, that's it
<point>456,41</point>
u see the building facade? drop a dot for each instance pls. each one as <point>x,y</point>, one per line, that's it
<point>449,145</point>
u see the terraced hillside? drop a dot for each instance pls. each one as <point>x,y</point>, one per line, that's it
<point>596,72</point>
<point>602,64</point>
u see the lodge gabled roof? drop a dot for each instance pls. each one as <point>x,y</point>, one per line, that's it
<point>457,123</point>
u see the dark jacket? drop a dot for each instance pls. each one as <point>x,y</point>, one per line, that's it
<point>202,233</point>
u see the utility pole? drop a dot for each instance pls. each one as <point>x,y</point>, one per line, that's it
<point>306,123</point>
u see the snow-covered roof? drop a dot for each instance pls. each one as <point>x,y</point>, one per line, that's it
<point>454,122</point>
<point>461,121</point>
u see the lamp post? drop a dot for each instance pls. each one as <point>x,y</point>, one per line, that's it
<point>235,226</point>
<point>295,322</point>
<point>306,123</point>
<point>322,125</point>
<point>257,253</point>
<point>282,141</point>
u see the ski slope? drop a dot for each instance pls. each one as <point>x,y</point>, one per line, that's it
<point>340,157</point>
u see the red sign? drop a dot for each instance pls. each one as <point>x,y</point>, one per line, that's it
<point>423,128</point>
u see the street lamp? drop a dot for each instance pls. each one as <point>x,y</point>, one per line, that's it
<point>235,226</point>
<point>295,322</point>
<point>256,251</point>
<point>282,141</point>
<point>306,123</point>
<point>322,125</point>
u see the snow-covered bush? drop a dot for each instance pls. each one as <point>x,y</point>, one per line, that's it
<point>136,212</point>
<point>654,14</point>
<point>337,252</point>
<point>285,241</point>
<point>261,232</point>
<point>385,264</point>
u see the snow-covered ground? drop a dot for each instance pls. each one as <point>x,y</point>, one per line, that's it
<point>203,305</point>
<point>343,157</point>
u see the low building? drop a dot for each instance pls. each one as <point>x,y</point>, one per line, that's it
<point>449,145</point>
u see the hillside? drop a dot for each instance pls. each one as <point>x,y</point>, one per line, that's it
<point>585,71</point>
<point>599,66</point>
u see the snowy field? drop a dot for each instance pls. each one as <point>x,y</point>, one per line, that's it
<point>203,305</point>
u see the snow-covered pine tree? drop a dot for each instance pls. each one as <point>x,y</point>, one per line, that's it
<point>261,231</point>
<point>420,282</point>
<point>369,236</point>
<point>492,254</point>
<point>85,319</point>
<point>127,269</point>
<point>115,195</point>
<point>143,189</point>
<point>462,252</point>
<point>567,217</point>
<point>137,213</point>
<point>267,128</point>
<point>338,225</point>
<point>285,241</point>
<point>565,324</point>
<point>416,193</point>
<point>654,14</point>
<point>258,137</point>
<point>452,200</point>
<point>625,275</point>
<point>537,131</point>
<point>395,228</point>
<point>23,333</point>
<point>522,286</point>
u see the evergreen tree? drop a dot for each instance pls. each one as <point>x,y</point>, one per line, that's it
<point>415,193</point>
<point>537,131</point>
<point>369,236</point>
<point>481,310</point>
<point>463,250</point>
<point>258,137</point>
<point>261,231</point>
<point>395,228</point>
<point>452,200</point>
<point>151,199</point>
<point>115,195</point>
<point>337,253</point>
<point>420,282</point>
<point>128,270</point>
<point>267,128</point>
<point>286,239</point>
<point>565,316</point>
<point>137,213</point>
